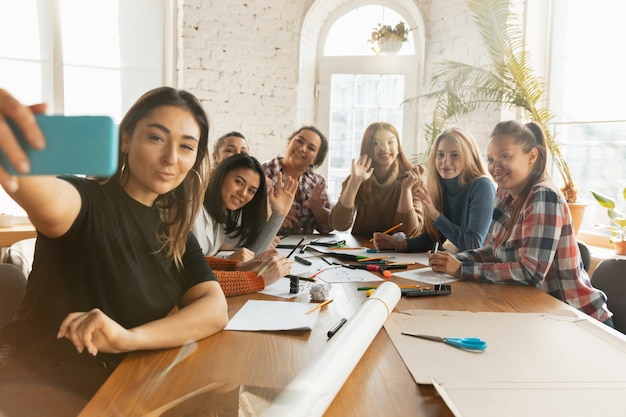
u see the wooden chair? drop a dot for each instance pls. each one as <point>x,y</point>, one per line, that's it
<point>610,277</point>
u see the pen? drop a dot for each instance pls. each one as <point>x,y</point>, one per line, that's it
<point>296,247</point>
<point>316,274</point>
<point>391,229</point>
<point>336,327</point>
<point>320,305</point>
<point>304,248</point>
<point>436,247</point>
<point>401,286</point>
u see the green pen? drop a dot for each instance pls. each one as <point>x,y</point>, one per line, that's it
<point>366,288</point>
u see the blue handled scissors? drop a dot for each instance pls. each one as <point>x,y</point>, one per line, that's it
<point>468,343</point>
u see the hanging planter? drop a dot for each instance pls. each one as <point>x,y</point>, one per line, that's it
<point>389,46</point>
<point>389,39</point>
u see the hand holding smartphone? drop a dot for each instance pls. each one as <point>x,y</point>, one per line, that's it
<point>86,145</point>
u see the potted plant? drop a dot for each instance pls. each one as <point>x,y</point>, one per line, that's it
<point>459,88</point>
<point>618,220</point>
<point>389,39</point>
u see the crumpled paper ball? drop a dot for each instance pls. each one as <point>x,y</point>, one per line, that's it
<point>320,291</point>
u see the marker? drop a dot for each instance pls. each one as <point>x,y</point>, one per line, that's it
<point>436,247</point>
<point>290,276</point>
<point>336,328</point>
<point>302,261</point>
<point>304,248</point>
<point>294,284</point>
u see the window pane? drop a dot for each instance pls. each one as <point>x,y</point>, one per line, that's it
<point>91,33</point>
<point>20,35</point>
<point>349,34</point>
<point>357,100</point>
<point>82,85</point>
<point>586,93</point>
<point>595,154</point>
<point>28,93</point>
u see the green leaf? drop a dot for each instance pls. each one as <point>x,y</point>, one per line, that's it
<point>604,200</point>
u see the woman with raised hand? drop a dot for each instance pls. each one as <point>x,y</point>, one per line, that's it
<point>235,205</point>
<point>306,149</point>
<point>457,198</point>
<point>531,240</point>
<point>116,267</point>
<point>378,194</point>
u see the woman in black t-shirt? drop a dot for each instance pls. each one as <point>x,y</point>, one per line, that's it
<point>113,257</point>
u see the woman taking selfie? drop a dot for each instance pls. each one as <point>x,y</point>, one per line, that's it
<point>116,268</point>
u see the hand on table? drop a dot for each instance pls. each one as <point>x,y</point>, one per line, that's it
<point>444,262</point>
<point>384,241</point>
<point>95,331</point>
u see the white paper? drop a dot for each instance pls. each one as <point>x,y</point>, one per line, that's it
<point>310,393</point>
<point>262,315</point>
<point>281,289</point>
<point>535,364</point>
<point>425,275</point>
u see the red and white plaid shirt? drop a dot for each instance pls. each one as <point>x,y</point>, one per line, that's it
<point>306,183</point>
<point>541,251</point>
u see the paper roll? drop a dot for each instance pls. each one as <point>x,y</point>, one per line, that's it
<point>310,393</point>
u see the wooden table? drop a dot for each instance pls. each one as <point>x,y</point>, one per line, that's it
<point>265,362</point>
<point>15,233</point>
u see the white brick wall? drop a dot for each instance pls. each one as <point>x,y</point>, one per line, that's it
<point>241,59</point>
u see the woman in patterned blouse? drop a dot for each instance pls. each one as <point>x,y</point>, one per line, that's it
<point>531,240</point>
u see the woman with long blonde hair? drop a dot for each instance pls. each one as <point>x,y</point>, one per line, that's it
<point>457,198</point>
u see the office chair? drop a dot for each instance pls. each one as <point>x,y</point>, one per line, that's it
<point>12,288</point>
<point>585,255</point>
<point>610,277</point>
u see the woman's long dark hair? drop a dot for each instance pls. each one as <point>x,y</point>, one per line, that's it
<point>530,136</point>
<point>179,207</point>
<point>246,222</point>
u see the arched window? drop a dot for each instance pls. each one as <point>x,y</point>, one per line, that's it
<point>357,85</point>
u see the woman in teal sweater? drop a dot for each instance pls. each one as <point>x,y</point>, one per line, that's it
<point>457,198</point>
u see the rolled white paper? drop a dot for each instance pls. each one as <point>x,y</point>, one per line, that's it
<point>310,393</point>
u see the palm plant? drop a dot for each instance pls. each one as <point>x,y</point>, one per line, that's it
<point>460,88</point>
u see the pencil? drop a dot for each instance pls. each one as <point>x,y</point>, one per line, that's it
<point>391,229</point>
<point>320,305</point>
<point>263,269</point>
<point>296,247</point>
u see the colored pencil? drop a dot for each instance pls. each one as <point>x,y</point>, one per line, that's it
<point>391,229</point>
<point>320,305</point>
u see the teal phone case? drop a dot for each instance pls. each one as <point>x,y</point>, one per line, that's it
<point>86,145</point>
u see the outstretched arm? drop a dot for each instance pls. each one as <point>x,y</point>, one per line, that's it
<point>52,204</point>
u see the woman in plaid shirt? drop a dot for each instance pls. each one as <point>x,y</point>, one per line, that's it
<point>531,240</point>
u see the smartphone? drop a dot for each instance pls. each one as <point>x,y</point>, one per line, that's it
<point>84,145</point>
